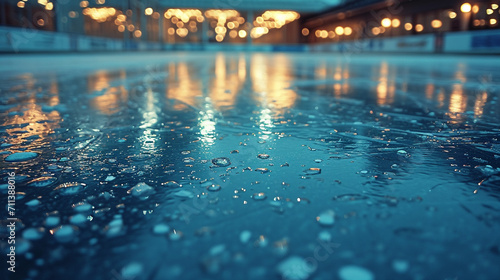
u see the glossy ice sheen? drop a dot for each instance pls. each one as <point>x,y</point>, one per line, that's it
<point>403,149</point>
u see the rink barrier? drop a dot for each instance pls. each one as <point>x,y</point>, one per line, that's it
<point>21,40</point>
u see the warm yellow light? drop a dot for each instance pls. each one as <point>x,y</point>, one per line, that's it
<point>419,27</point>
<point>100,2</point>
<point>84,4</point>
<point>494,6</point>
<point>40,22</point>
<point>72,14</point>
<point>121,28</point>
<point>42,2</point>
<point>305,31</point>
<point>331,34</point>
<point>324,34</point>
<point>408,26</point>
<point>171,31</point>
<point>148,11</point>
<point>386,22</point>
<point>233,34</point>
<point>375,31</point>
<point>347,31</point>
<point>99,14</point>
<point>317,33</point>
<point>436,24</point>
<point>465,8</point>
<point>475,9</point>
<point>339,30</point>
<point>275,19</point>
<point>20,4</point>
<point>242,33</point>
<point>182,32</point>
<point>396,23</point>
<point>131,28</point>
<point>137,34</point>
<point>452,15</point>
<point>493,21</point>
<point>219,38</point>
<point>121,17</point>
<point>49,6</point>
<point>476,22</point>
<point>489,11</point>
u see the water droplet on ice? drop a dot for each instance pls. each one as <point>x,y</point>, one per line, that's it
<point>70,188</point>
<point>141,190</point>
<point>78,219</point>
<point>52,221</point>
<point>33,233</point>
<point>325,236</point>
<point>171,184</point>
<point>21,156</point>
<point>213,188</point>
<point>312,171</point>
<point>131,270</point>
<point>33,203</point>
<point>262,170</point>
<point>245,236</point>
<point>402,153</point>
<point>161,229</point>
<point>42,182</point>
<point>352,272</point>
<point>115,227</point>
<point>221,161</point>
<point>82,207</point>
<point>295,268</point>
<point>175,235</point>
<point>217,249</point>
<point>22,246</point>
<point>183,194</point>
<point>400,266</point>
<point>65,233</point>
<point>259,196</point>
<point>318,160</point>
<point>326,218</point>
<point>109,178</point>
<point>263,156</point>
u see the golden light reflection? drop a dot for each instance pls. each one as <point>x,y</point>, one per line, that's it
<point>271,81</point>
<point>479,104</point>
<point>429,91</point>
<point>385,91</point>
<point>181,87</point>
<point>228,81</point>
<point>37,125</point>
<point>98,81</point>
<point>106,102</point>
<point>458,100</point>
<point>35,121</point>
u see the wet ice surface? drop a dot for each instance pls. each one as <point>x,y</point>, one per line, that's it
<point>253,166</point>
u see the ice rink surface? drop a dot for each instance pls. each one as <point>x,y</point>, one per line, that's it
<point>252,166</point>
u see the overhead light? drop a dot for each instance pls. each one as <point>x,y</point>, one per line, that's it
<point>465,8</point>
<point>386,22</point>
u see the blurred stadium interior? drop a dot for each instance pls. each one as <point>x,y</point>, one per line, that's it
<point>294,25</point>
